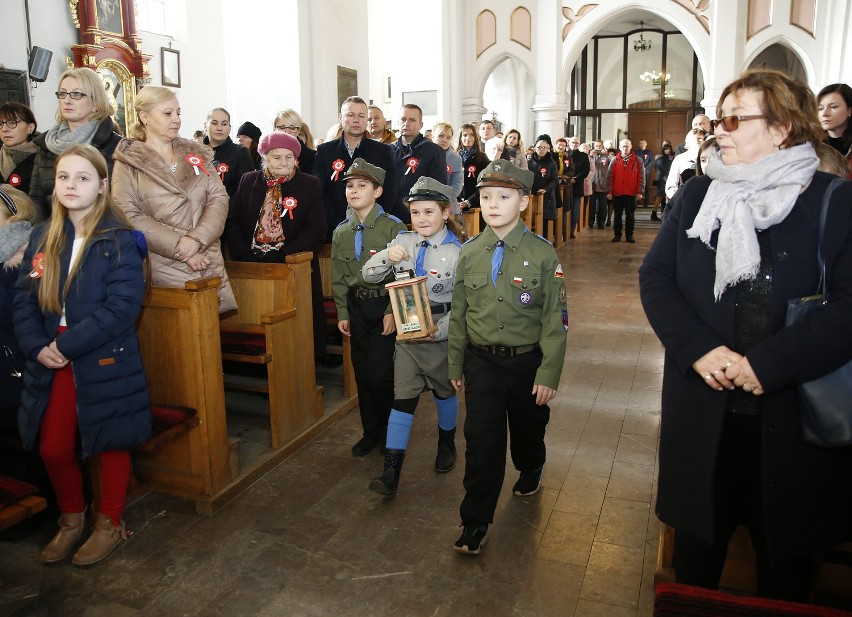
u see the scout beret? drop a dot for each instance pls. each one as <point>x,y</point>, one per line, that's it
<point>429,189</point>
<point>273,141</point>
<point>362,169</point>
<point>504,173</point>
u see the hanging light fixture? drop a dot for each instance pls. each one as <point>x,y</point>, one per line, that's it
<point>641,44</point>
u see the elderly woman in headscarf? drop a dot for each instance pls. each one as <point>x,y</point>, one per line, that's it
<point>279,211</point>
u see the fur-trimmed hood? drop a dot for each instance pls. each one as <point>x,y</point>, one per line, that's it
<point>141,156</point>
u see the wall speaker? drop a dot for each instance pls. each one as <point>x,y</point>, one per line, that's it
<point>40,63</point>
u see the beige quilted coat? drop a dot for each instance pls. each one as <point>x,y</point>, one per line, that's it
<point>165,205</point>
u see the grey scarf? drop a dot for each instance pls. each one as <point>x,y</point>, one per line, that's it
<point>12,237</point>
<point>61,137</point>
<point>744,199</point>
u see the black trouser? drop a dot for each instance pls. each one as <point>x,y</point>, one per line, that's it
<point>599,208</point>
<point>372,360</point>
<point>624,204</point>
<point>738,490</point>
<point>318,311</point>
<point>497,389</point>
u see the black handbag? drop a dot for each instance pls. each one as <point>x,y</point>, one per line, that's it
<point>826,402</point>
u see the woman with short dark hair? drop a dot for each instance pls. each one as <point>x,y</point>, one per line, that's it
<point>18,152</point>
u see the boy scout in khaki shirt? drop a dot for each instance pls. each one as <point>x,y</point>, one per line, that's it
<point>507,336</point>
<point>363,310</point>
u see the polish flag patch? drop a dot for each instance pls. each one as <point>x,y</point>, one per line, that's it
<point>558,274</point>
<point>518,279</point>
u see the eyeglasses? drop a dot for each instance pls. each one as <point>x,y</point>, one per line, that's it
<point>289,129</point>
<point>74,95</point>
<point>732,123</point>
<point>10,123</point>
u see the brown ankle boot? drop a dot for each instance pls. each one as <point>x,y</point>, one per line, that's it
<point>105,537</point>
<point>71,528</point>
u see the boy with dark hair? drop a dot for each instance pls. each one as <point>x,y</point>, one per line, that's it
<point>507,336</point>
<point>363,309</point>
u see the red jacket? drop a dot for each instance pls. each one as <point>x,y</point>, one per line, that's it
<point>625,178</point>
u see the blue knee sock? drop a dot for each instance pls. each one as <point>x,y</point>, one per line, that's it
<point>448,411</point>
<point>399,429</point>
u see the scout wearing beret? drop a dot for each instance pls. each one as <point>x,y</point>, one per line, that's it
<point>363,309</point>
<point>507,338</point>
<point>431,250</point>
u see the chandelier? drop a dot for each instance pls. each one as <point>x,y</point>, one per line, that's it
<point>655,78</point>
<point>641,44</point>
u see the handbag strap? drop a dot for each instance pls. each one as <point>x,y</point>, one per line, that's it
<point>823,215</point>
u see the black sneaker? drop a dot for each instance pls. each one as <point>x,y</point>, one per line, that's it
<point>616,239</point>
<point>364,446</point>
<point>528,483</point>
<point>474,536</point>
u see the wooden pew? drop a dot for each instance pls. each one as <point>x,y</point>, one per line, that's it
<point>350,389</point>
<point>472,222</point>
<point>23,507</point>
<point>179,337</point>
<point>274,319</point>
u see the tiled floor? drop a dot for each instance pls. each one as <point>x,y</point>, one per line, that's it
<point>309,538</point>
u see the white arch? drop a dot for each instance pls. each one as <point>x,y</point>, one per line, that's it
<point>487,67</point>
<point>793,46</point>
<point>593,21</point>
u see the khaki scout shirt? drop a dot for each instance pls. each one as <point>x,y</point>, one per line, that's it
<point>439,263</point>
<point>379,229</point>
<point>527,306</point>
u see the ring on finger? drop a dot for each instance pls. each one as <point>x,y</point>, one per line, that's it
<point>716,372</point>
<point>727,364</point>
<point>748,389</point>
<point>707,377</point>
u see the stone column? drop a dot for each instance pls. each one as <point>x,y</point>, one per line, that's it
<point>727,40</point>
<point>549,118</point>
<point>472,109</point>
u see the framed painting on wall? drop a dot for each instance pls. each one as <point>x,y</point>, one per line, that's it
<point>170,59</point>
<point>109,18</point>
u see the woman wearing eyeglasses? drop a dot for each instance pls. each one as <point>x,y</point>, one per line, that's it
<point>17,150</point>
<point>714,286</point>
<point>83,117</point>
<point>289,121</point>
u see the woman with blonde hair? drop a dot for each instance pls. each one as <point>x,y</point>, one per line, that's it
<point>289,121</point>
<point>83,117</point>
<point>169,190</point>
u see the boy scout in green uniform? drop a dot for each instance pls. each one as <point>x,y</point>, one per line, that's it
<point>507,337</point>
<point>363,310</point>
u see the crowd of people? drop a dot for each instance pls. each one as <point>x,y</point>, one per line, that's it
<point>739,198</point>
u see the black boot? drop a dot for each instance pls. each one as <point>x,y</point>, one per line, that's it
<point>387,482</point>
<point>446,458</point>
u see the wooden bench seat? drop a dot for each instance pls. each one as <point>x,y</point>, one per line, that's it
<point>350,390</point>
<point>273,327</point>
<point>18,502</point>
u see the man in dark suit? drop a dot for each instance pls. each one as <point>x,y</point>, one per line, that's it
<point>334,158</point>
<point>581,169</point>
<point>413,156</point>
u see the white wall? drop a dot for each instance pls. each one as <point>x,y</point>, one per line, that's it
<point>261,46</point>
<point>405,43</point>
<point>56,34</point>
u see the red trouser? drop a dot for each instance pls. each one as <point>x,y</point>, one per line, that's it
<point>58,440</point>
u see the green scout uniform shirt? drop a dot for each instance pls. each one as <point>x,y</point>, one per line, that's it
<point>379,229</point>
<point>526,307</point>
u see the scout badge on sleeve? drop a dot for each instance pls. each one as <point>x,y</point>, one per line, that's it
<point>336,167</point>
<point>222,168</point>
<point>558,274</point>
<point>412,166</point>
<point>196,162</point>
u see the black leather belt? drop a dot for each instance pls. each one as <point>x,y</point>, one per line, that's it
<point>365,293</point>
<point>502,350</point>
<point>439,309</point>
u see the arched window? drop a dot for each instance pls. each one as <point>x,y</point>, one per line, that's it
<point>486,31</point>
<point>521,27</point>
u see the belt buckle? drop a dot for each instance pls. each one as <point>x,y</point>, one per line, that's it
<point>361,294</point>
<point>503,351</point>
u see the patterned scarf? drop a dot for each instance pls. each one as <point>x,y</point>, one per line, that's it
<point>744,199</point>
<point>11,157</point>
<point>268,233</point>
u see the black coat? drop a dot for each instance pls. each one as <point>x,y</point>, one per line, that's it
<point>471,168</point>
<point>304,232</point>
<point>546,178</point>
<point>307,158</point>
<point>807,493</point>
<point>24,171</point>
<point>10,387</point>
<point>236,157</point>
<point>420,158</point>
<point>44,170</point>
<point>333,186</point>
